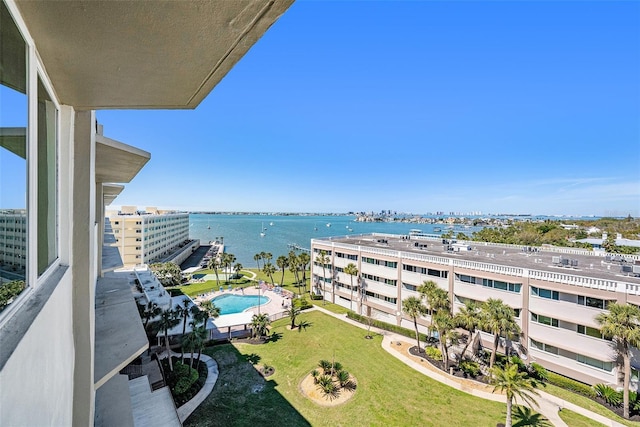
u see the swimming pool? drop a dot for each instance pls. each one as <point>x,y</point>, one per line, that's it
<point>230,304</point>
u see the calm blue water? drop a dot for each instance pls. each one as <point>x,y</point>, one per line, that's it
<point>242,232</point>
<point>230,304</point>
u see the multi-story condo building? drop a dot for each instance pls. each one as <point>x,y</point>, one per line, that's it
<point>555,292</point>
<point>145,237</point>
<point>13,244</point>
<point>67,335</point>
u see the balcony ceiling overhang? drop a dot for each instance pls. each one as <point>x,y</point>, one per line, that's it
<point>143,54</point>
<point>118,162</point>
<point>110,192</point>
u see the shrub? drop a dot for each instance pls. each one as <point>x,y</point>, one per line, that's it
<point>433,353</point>
<point>183,377</point>
<point>609,394</point>
<point>571,385</point>
<point>538,372</point>
<point>387,326</point>
<point>315,297</point>
<point>470,368</point>
<point>303,303</point>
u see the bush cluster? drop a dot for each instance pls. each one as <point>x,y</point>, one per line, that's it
<point>433,353</point>
<point>571,385</point>
<point>387,326</point>
<point>182,378</point>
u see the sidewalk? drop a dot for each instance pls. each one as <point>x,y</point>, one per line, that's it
<point>548,405</point>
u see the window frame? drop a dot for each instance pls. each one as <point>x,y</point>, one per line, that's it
<point>35,71</point>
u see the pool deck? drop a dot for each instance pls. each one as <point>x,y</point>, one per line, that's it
<point>276,305</point>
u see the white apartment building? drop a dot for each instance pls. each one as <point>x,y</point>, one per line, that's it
<point>145,237</point>
<point>65,338</point>
<point>13,244</point>
<point>555,292</point>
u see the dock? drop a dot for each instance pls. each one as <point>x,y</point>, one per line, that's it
<point>297,247</point>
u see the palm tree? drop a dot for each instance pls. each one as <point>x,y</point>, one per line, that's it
<point>268,256</point>
<point>468,318</point>
<point>269,269</point>
<point>260,324</point>
<point>294,262</point>
<point>513,384</point>
<point>445,325</point>
<point>210,309</point>
<point>237,267</point>
<point>304,259</point>
<point>150,311</point>
<point>185,309</point>
<point>168,319</point>
<point>263,256</point>
<point>499,319</point>
<point>413,307</point>
<point>323,259</point>
<point>189,343</point>
<point>293,311</point>
<point>282,262</point>
<point>214,264</point>
<point>257,259</point>
<point>527,417</point>
<point>622,323</point>
<point>351,270</point>
<point>200,338</point>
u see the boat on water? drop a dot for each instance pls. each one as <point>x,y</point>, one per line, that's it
<point>415,231</point>
<point>328,224</point>
<point>262,231</point>
<point>271,223</point>
<point>437,229</point>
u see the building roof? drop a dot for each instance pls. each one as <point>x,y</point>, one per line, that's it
<point>589,264</point>
<point>143,54</point>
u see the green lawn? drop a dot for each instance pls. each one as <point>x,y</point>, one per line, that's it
<point>335,308</point>
<point>212,285</point>
<point>574,419</point>
<point>587,403</point>
<point>389,392</point>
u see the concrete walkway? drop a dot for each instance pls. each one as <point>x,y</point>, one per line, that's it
<point>548,405</point>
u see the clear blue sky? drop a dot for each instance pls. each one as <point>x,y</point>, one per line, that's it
<point>519,107</point>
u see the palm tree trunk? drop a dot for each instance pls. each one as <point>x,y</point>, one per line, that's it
<point>415,325</point>
<point>625,383</point>
<point>496,339</point>
<point>445,354</point>
<point>166,343</point>
<point>199,353</point>
<point>351,297</point>
<point>466,346</point>
<point>509,422</point>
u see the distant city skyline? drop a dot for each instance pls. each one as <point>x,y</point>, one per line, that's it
<point>519,107</point>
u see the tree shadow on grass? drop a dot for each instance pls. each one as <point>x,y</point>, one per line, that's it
<point>274,337</point>
<point>253,358</point>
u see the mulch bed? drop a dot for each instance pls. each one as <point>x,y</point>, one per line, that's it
<point>414,351</point>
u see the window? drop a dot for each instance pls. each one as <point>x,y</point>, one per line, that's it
<point>409,287</point>
<point>465,278</point>
<point>592,332</point>
<point>545,293</point>
<point>13,159</point>
<point>545,320</point>
<point>47,179</point>
<point>543,347</point>
<point>592,302</point>
<point>605,366</point>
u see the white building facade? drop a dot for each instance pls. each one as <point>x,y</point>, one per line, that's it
<point>555,292</point>
<point>145,237</point>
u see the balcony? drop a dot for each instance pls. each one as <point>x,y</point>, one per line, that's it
<point>119,334</point>
<point>483,293</point>
<point>564,310</point>
<point>418,279</point>
<point>571,341</point>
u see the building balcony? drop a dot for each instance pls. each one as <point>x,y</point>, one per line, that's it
<point>418,279</point>
<point>571,368</point>
<point>119,334</point>
<point>483,293</point>
<point>564,310</point>
<point>571,341</point>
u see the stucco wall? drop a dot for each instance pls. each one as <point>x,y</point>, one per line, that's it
<point>36,384</point>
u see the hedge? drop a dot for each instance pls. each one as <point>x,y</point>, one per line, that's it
<point>387,326</point>
<point>571,385</point>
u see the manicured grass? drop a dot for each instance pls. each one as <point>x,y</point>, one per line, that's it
<point>389,392</point>
<point>587,403</point>
<point>574,419</point>
<point>335,308</point>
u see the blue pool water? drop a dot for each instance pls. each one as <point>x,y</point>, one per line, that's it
<point>230,304</point>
